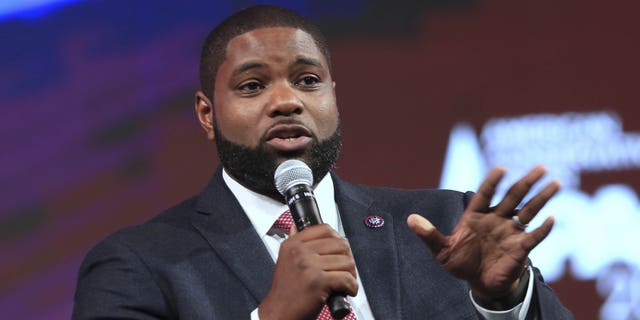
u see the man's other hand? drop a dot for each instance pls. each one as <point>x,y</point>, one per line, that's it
<point>312,264</point>
<point>487,248</point>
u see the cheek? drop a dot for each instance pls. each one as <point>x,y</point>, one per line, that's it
<point>331,111</point>
<point>238,124</point>
<point>327,120</point>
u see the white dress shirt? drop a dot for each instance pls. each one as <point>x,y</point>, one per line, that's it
<point>264,211</point>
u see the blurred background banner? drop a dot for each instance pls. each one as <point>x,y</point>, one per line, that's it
<point>98,129</point>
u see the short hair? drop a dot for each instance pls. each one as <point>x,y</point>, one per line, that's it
<point>251,18</point>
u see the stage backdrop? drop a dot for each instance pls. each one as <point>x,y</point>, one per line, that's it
<point>98,130</point>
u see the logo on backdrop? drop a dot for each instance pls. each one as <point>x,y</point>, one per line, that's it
<point>597,233</point>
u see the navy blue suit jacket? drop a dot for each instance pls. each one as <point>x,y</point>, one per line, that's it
<point>202,259</point>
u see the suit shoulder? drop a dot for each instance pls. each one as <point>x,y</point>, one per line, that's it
<point>176,213</point>
<point>414,193</point>
<point>170,223</point>
<point>399,196</point>
<point>442,207</point>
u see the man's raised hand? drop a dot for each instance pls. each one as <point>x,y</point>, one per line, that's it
<point>487,248</point>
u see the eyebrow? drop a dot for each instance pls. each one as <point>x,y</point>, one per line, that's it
<point>247,66</point>
<point>300,60</point>
<point>307,61</point>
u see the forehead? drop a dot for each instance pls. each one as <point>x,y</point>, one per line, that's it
<point>273,43</point>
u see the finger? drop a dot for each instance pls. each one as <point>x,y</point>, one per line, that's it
<point>482,199</point>
<point>341,281</point>
<point>330,246</point>
<point>533,206</point>
<point>517,192</point>
<point>434,240</point>
<point>318,231</point>
<point>337,263</point>
<point>536,236</point>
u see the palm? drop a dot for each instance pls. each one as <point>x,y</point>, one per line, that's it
<point>486,248</point>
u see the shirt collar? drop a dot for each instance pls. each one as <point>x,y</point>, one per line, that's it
<point>264,211</point>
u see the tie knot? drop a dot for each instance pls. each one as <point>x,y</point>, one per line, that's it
<point>284,222</point>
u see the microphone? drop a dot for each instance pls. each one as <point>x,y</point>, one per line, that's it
<point>293,179</point>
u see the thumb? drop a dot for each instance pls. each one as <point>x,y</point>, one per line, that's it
<point>293,230</point>
<point>434,240</point>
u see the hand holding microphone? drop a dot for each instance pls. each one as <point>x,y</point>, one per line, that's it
<point>314,264</point>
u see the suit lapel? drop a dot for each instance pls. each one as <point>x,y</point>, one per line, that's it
<point>374,250</point>
<point>223,223</point>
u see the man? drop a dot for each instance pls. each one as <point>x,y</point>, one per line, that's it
<point>268,96</point>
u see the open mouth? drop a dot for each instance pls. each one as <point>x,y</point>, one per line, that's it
<point>288,137</point>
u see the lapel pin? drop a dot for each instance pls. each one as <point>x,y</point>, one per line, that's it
<point>374,222</point>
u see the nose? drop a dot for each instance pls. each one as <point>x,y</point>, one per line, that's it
<point>284,101</point>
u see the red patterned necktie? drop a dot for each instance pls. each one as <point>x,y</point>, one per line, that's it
<point>284,223</point>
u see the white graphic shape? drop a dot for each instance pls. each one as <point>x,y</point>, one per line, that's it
<point>599,235</point>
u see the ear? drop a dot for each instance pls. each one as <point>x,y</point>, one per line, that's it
<point>204,111</point>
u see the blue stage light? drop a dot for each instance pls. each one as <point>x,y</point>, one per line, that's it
<point>29,9</point>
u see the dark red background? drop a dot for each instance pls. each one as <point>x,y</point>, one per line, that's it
<point>100,132</point>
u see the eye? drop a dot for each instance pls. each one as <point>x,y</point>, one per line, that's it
<point>250,87</point>
<point>308,81</point>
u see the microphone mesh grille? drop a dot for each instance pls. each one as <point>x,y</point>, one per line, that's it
<point>290,173</point>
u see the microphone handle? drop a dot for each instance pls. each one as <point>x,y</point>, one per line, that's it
<point>304,210</point>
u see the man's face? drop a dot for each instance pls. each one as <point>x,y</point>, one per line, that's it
<point>274,100</point>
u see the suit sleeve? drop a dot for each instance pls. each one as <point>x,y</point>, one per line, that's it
<point>114,283</point>
<point>545,304</point>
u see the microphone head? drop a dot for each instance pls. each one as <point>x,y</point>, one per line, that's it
<point>291,173</point>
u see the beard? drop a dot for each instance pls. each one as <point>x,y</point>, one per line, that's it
<point>254,167</point>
